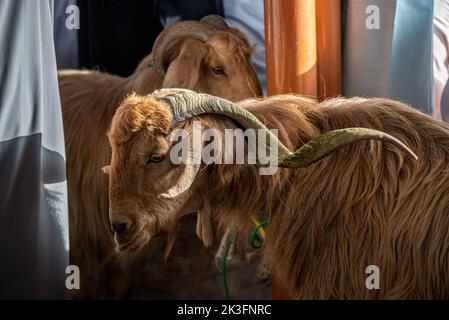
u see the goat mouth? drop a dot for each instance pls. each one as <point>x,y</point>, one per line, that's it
<point>122,246</point>
<point>133,244</point>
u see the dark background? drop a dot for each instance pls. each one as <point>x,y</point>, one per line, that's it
<point>115,35</point>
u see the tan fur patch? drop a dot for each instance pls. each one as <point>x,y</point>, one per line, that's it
<point>137,113</point>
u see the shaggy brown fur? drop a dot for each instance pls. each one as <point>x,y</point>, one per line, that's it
<point>89,101</point>
<point>365,204</point>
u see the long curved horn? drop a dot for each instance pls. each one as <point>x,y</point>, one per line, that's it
<point>180,30</point>
<point>185,180</point>
<point>220,24</point>
<point>329,142</point>
<point>216,22</point>
<point>186,104</point>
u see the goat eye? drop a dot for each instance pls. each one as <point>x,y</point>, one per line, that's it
<point>155,158</point>
<point>219,71</point>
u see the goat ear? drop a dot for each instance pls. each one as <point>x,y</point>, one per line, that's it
<point>106,169</point>
<point>204,226</point>
<point>184,70</point>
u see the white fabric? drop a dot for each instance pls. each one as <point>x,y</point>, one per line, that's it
<point>395,60</point>
<point>440,53</point>
<point>248,16</point>
<point>33,195</point>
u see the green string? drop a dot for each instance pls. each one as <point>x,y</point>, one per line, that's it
<point>224,263</point>
<point>252,236</point>
<point>229,241</point>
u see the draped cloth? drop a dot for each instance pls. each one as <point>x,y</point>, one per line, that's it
<point>441,58</point>
<point>395,60</point>
<point>33,196</point>
<point>248,16</point>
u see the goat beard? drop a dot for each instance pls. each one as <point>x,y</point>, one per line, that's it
<point>171,239</point>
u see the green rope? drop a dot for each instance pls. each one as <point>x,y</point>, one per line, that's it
<point>252,236</point>
<point>229,241</point>
<point>224,263</point>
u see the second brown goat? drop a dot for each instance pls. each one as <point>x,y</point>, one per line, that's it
<point>206,56</point>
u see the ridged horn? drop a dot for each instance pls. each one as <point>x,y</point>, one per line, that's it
<point>185,179</point>
<point>331,141</point>
<point>186,104</point>
<point>216,22</point>
<point>176,32</point>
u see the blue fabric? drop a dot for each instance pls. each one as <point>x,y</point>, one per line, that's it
<point>394,61</point>
<point>445,103</point>
<point>248,16</point>
<point>411,69</point>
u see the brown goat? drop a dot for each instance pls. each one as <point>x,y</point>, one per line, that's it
<point>364,204</point>
<point>206,56</point>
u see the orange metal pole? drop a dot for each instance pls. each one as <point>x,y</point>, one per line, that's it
<point>303,54</point>
<point>290,38</point>
<point>291,58</point>
<point>328,23</point>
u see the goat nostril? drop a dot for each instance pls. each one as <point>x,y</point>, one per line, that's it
<point>119,228</point>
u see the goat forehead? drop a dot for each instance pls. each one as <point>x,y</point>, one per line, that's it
<point>223,46</point>
<point>139,113</point>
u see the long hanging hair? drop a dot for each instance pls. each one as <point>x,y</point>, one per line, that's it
<point>366,204</point>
